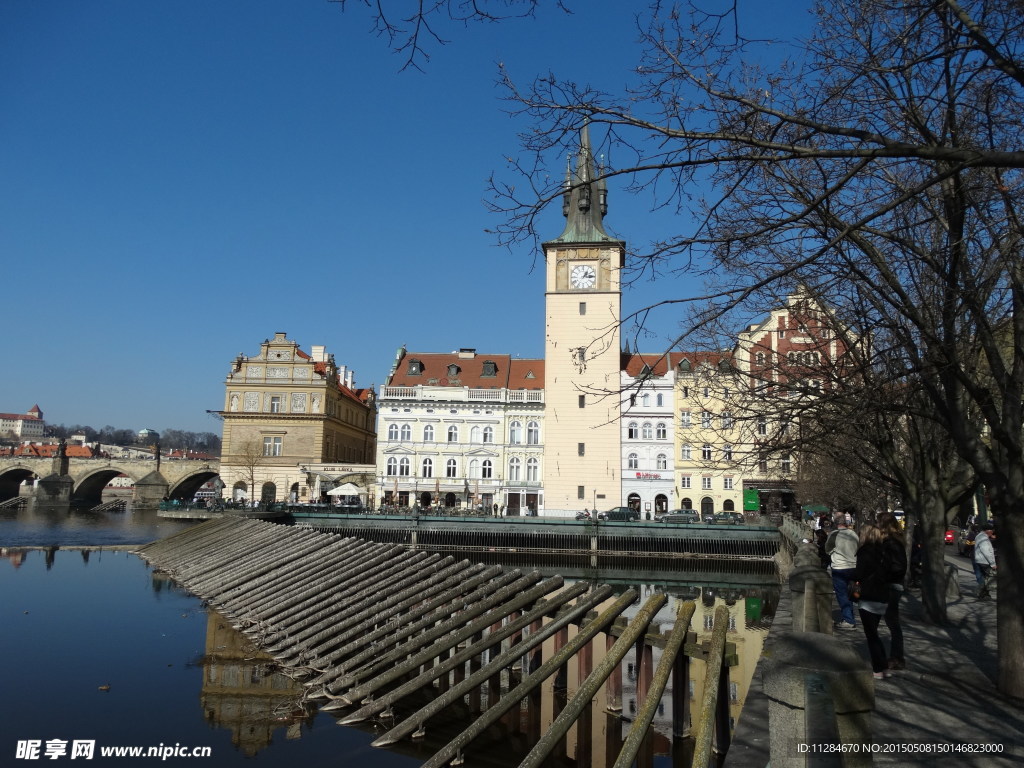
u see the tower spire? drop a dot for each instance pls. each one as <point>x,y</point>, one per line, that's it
<point>585,197</point>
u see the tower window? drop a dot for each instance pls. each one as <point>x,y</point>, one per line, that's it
<point>583,307</point>
<point>583,401</point>
<point>579,491</point>
<point>581,449</point>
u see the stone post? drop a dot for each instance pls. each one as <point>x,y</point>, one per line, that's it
<point>151,490</point>
<point>819,690</point>
<point>809,582</point>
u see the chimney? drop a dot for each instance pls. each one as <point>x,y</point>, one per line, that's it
<point>349,379</point>
<point>319,354</point>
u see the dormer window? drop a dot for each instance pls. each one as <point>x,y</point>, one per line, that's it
<point>490,368</point>
<point>415,367</point>
<point>453,370</point>
<point>645,372</point>
<point>684,366</point>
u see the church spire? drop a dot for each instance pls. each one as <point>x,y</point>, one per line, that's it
<point>584,197</point>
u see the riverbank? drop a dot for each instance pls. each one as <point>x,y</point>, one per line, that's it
<point>946,696</point>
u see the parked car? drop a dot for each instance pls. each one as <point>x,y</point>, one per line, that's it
<point>707,517</point>
<point>965,541</point>
<point>678,516</point>
<point>620,514</point>
<point>726,518</point>
<point>950,535</point>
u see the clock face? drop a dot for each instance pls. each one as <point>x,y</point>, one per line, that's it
<point>583,276</point>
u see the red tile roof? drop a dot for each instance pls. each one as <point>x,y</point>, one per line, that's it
<point>510,373</point>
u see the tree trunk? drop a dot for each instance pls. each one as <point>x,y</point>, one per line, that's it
<point>932,519</point>
<point>1009,516</point>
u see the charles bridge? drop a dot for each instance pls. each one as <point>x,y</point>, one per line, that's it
<point>64,480</point>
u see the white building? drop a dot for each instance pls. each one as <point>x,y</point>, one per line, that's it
<point>648,462</point>
<point>23,426</point>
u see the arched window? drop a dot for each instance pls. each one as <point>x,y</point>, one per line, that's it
<point>514,467</point>
<point>533,433</point>
<point>532,470</point>
<point>428,468</point>
<point>632,431</point>
<point>686,504</point>
<point>728,506</point>
<point>515,433</point>
<point>705,452</point>
<point>392,466</point>
<point>451,468</point>
<point>659,400</point>
<point>633,461</point>
<point>648,432</point>
<point>268,493</point>
<point>428,433</point>
<point>707,506</point>
<point>686,454</point>
<point>660,431</point>
<point>406,432</point>
<point>645,399</point>
<point>453,434</point>
<point>474,434</point>
<point>662,461</point>
<point>474,469</point>
<point>403,467</point>
<point>393,432</point>
<point>239,491</point>
<point>487,470</point>
<point>488,434</point>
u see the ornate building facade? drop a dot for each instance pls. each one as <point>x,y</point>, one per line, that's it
<point>294,424</point>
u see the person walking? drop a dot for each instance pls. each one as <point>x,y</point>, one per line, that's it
<point>895,560</point>
<point>985,558</point>
<point>841,547</point>
<point>874,574</point>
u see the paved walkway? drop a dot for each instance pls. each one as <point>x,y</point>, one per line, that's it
<point>947,694</point>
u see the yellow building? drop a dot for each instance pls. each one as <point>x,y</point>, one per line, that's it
<point>288,413</point>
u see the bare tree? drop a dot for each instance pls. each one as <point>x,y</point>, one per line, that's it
<point>249,458</point>
<point>882,167</point>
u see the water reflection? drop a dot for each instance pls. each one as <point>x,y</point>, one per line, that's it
<point>38,525</point>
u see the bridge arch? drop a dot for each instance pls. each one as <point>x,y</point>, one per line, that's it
<point>187,486</point>
<point>12,477</point>
<point>89,487</point>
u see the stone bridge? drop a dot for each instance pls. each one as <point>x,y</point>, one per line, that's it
<point>83,480</point>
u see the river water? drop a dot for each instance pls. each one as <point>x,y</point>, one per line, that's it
<point>100,649</point>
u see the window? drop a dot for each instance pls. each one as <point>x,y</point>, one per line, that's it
<point>786,464</point>
<point>709,621</point>
<point>403,467</point>
<point>488,434</point>
<point>684,481</point>
<point>705,420</point>
<point>727,483</point>
<point>659,400</point>
<point>726,420</point>
<point>474,434</point>
<point>393,432</point>
<point>727,453</point>
<point>687,453</point>
<point>648,431</point>
<point>428,433</point>
<point>782,333</point>
<point>406,432</point>
<point>762,465</point>
<point>474,469</point>
<point>487,470</point>
<point>515,433</point>
<point>705,452</point>
<point>275,404</point>
<point>581,449</point>
<point>759,358</point>
<point>271,446</point>
<point>514,468</point>
<point>583,307</point>
<point>532,470</point>
<point>660,431</point>
<point>451,468</point>
<point>579,491</point>
<point>428,468</point>
<point>583,401</point>
<point>632,431</point>
<point>453,434</point>
<point>684,419</point>
<point>633,461</point>
<point>415,367</point>
<point>662,461</point>
<point>392,466</point>
<point>707,392</point>
<point>453,371</point>
<point>645,398</point>
<point>490,369</point>
<point>533,433</point>
<point>762,425</point>
<point>686,391</point>
<point>705,482</point>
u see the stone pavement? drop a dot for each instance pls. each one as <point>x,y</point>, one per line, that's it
<point>947,694</point>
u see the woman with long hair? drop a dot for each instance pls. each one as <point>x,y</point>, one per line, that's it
<point>881,566</point>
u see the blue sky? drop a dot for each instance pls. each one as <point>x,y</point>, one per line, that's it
<point>178,181</point>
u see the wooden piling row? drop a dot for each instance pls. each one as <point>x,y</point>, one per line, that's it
<point>368,626</point>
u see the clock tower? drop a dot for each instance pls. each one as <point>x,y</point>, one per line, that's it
<point>582,461</point>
